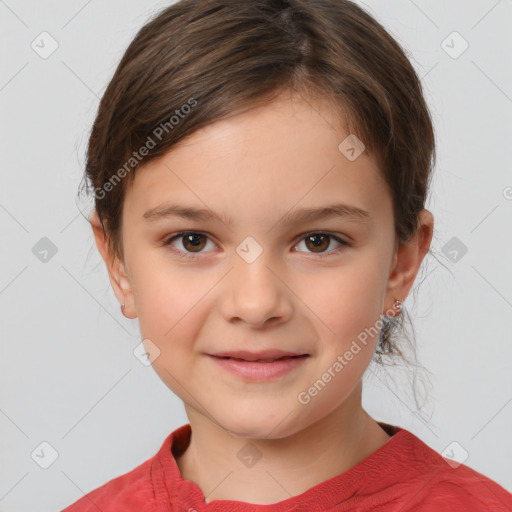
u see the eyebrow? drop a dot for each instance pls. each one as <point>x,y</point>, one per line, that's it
<point>297,216</point>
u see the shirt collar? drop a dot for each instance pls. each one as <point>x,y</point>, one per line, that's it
<point>173,493</point>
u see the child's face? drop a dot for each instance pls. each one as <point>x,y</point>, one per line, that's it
<point>254,169</point>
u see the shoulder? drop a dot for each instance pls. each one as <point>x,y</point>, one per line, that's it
<point>463,490</point>
<point>142,488</point>
<point>132,489</point>
<point>431,482</point>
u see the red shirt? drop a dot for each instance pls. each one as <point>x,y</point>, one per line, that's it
<point>403,475</point>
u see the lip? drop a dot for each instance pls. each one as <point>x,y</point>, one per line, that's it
<point>254,356</point>
<point>260,371</point>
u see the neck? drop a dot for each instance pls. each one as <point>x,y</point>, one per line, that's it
<point>265,471</point>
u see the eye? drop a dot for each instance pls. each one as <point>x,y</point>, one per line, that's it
<point>192,241</point>
<point>320,241</point>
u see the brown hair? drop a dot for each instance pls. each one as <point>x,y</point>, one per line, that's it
<point>198,61</point>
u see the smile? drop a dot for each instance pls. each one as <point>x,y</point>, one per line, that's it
<point>261,369</point>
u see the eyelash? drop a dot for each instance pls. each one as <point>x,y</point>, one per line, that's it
<point>193,256</point>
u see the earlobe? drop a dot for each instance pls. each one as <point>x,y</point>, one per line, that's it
<point>408,259</point>
<point>115,267</point>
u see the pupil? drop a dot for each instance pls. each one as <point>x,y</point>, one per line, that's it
<point>318,243</point>
<point>316,237</point>
<point>196,241</point>
<point>192,240</point>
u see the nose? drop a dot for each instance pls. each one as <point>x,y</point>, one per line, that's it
<point>256,294</point>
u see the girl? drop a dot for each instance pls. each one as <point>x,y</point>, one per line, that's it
<point>260,171</point>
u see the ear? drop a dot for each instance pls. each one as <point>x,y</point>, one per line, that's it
<point>116,268</point>
<point>407,261</point>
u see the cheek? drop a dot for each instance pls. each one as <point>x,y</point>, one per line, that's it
<point>347,299</point>
<point>171,309</point>
<point>169,299</point>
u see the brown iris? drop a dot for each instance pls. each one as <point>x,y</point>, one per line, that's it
<point>315,243</point>
<point>314,239</point>
<point>194,240</point>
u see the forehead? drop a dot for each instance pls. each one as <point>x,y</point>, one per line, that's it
<point>266,160</point>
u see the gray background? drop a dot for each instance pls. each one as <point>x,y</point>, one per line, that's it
<point>68,375</point>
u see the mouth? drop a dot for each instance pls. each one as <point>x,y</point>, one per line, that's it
<point>261,369</point>
<point>266,360</point>
<point>262,356</point>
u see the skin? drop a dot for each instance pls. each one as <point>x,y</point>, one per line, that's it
<point>255,167</point>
